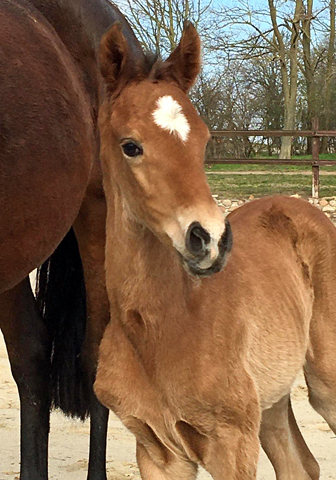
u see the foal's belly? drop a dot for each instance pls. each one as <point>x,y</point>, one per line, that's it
<point>275,360</point>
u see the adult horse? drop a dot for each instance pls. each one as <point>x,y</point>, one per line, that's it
<point>50,181</point>
<point>199,366</point>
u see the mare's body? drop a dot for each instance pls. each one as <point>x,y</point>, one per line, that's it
<point>50,180</point>
<point>49,101</point>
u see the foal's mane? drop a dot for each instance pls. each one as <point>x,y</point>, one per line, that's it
<point>80,24</point>
<point>149,66</point>
<point>138,68</point>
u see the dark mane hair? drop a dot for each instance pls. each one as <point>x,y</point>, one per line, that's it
<point>151,61</point>
<point>89,20</point>
<point>149,66</point>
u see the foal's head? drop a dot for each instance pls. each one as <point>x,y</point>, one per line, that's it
<point>153,145</point>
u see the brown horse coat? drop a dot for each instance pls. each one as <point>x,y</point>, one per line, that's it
<point>49,96</point>
<point>190,365</point>
<point>200,365</point>
<point>47,140</point>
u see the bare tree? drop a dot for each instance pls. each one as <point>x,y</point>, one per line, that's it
<point>287,48</point>
<point>289,75</point>
<point>287,31</point>
<point>279,39</point>
<point>159,23</point>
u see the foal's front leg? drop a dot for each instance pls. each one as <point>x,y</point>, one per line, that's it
<point>230,451</point>
<point>228,455</point>
<point>221,431</point>
<point>232,454</point>
<point>226,439</point>
<point>174,468</point>
<point>28,347</point>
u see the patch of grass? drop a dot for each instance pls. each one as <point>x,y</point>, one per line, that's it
<point>259,168</point>
<point>323,156</point>
<point>241,186</point>
<point>271,168</point>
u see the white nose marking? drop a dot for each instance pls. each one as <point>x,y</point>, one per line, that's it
<point>169,116</point>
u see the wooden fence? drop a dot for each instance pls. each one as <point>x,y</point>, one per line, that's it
<point>315,161</point>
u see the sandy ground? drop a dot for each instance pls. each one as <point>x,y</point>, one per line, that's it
<point>69,439</point>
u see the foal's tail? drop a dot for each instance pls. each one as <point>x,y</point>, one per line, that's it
<point>60,295</point>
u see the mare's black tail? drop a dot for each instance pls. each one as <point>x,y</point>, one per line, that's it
<point>60,295</point>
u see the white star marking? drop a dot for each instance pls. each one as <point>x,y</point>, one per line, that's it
<point>169,116</point>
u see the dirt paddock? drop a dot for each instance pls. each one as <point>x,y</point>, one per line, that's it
<point>69,439</point>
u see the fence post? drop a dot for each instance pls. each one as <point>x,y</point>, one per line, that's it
<point>315,158</point>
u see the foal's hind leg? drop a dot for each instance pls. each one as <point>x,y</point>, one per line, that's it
<point>308,460</point>
<point>28,347</point>
<point>284,445</point>
<point>320,367</point>
<point>172,468</point>
<point>321,381</point>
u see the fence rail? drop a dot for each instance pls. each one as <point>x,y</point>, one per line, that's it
<point>315,161</point>
<point>273,133</point>
<point>270,161</point>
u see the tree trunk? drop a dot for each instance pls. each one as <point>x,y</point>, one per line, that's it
<point>289,82</point>
<point>308,66</point>
<point>289,124</point>
<point>329,74</point>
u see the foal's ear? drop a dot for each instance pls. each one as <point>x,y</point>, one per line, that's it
<point>115,58</point>
<point>184,63</point>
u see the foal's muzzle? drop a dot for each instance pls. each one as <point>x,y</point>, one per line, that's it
<point>198,243</point>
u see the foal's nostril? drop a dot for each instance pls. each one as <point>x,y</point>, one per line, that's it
<point>197,238</point>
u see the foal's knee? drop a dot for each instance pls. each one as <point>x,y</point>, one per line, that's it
<point>173,468</point>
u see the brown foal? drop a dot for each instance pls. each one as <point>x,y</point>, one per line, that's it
<point>199,361</point>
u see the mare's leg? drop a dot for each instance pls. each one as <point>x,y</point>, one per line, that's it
<point>172,468</point>
<point>28,347</point>
<point>284,445</point>
<point>98,436</point>
<point>90,232</point>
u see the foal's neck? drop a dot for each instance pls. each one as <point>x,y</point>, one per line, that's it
<point>141,269</point>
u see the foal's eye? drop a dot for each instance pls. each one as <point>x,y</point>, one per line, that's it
<point>131,149</point>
